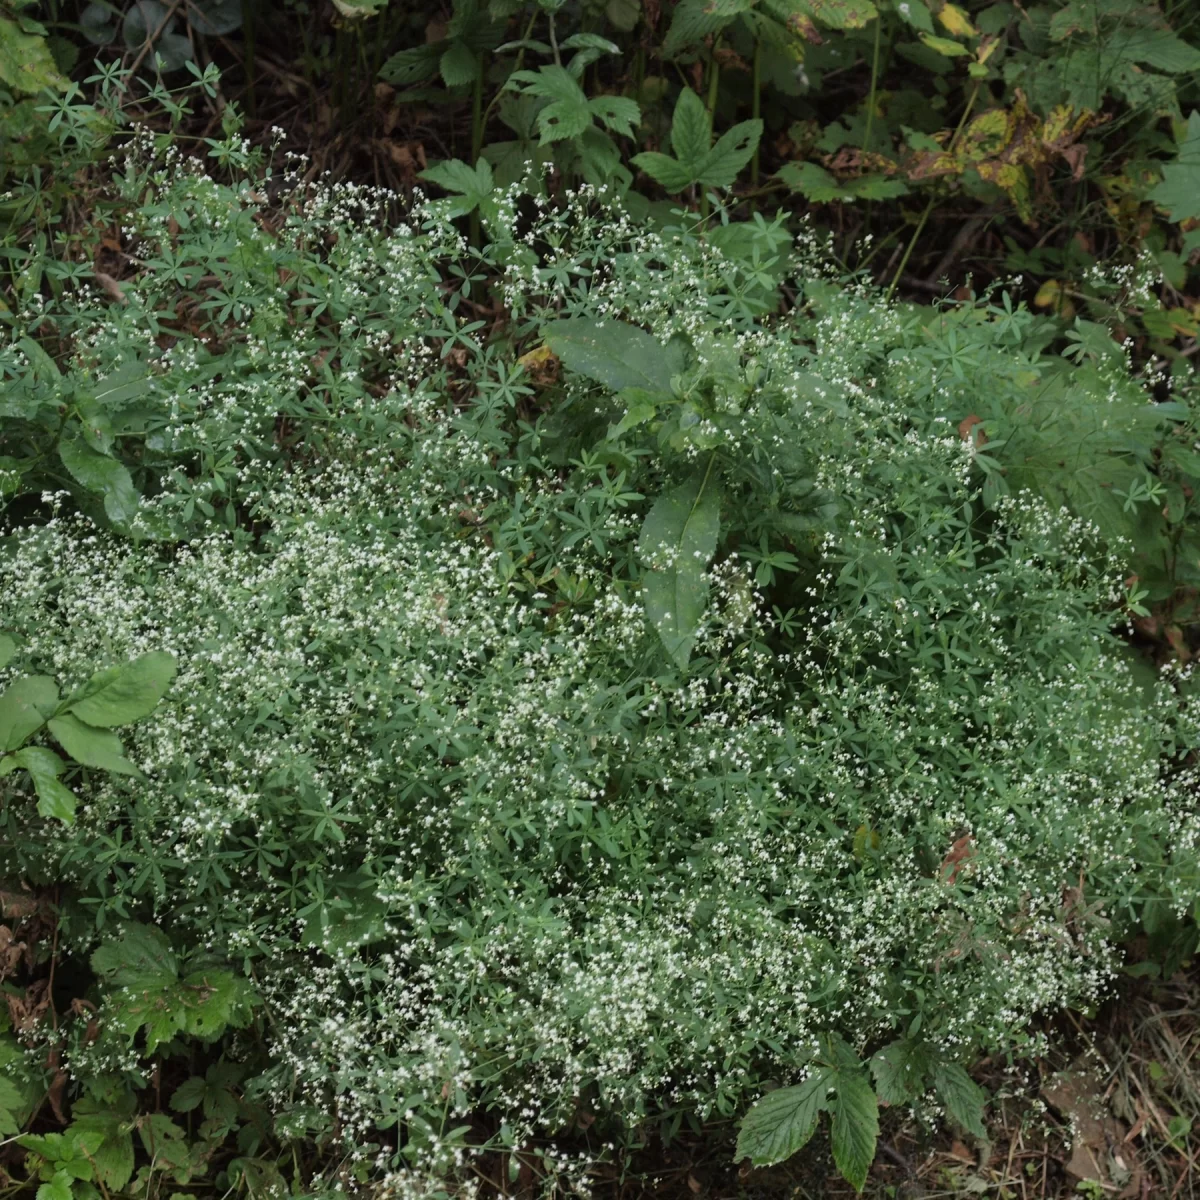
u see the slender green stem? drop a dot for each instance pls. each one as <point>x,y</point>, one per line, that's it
<point>477,132</point>
<point>487,114</point>
<point>871,96</point>
<point>554,43</point>
<point>756,106</point>
<point>953,143</point>
<point>714,83</point>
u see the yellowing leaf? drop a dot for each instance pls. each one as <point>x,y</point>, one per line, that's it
<point>955,21</point>
<point>944,46</point>
<point>1052,295</point>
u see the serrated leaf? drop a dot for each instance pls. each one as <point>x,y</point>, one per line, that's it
<point>900,1070</point>
<point>113,1158</point>
<point>613,353</point>
<point>619,113</point>
<point>783,1121</point>
<point>474,184</point>
<point>691,132</point>
<point>121,695</point>
<point>55,800</point>
<point>11,1104</point>
<point>694,20</point>
<point>917,15</point>
<point>26,64</point>
<point>854,1126</point>
<point>734,149</point>
<point>1157,48</point>
<point>101,474</point>
<point>963,1097</point>
<point>89,746</point>
<point>677,542</point>
<point>663,169</point>
<point>842,14</point>
<point>140,958</point>
<point>458,65</point>
<point>189,1095</point>
<point>25,705</point>
<point>1179,191</point>
<point>408,67</point>
<point>813,182</point>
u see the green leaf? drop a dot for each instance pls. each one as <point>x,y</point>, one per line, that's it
<point>613,353</point>
<point>412,66</point>
<point>734,149</point>
<point>140,958</point>
<point>841,14</point>
<point>680,532</point>
<point>120,695</point>
<point>1157,48</point>
<point>113,1158</point>
<point>854,1126</point>
<point>783,1121</point>
<point>90,746</point>
<point>59,1187</point>
<point>944,46</point>
<point>101,474</point>
<point>694,20</point>
<point>8,650</point>
<point>691,132</point>
<point>189,1095</point>
<point>12,1106</point>
<point>618,113</point>
<point>26,64</point>
<point>55,801</point>
<point>1179,191</point>
<point>663,169</point>
<point>900,1070</point>
<point>963,1097</point>
<point>474,184</point>
<point>24,707</point>
<point>458,65</point>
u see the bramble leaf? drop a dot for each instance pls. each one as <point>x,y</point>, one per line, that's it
<point>24,707</point>
<point>680,533</point>
<point>783,1121</point>
<point>854,1126</point>
<point>613,353</point>
<point>963,1097</point>
<point>121,695</point>
<point>90,746</point>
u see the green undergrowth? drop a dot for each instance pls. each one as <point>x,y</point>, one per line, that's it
<point>606,674</point>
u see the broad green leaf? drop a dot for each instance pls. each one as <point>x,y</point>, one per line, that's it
<point>694,20</point>
<point>734,149</point>
<point>55,801</point>
<point>841,14</point>
<point>691,132</point>
<point>944,46</point>
<point>214,18</point>
<point>677,541</point>
<point>783,1121</point>
<point>854,1126</point>
<point>101,474</point>
<point>813,182</point>
<point>24,707</point>
<point>474,184</point>
<point>900,1070</point>
<point>663,169</point>
<point>58,1188</point>
<point>963,1097</point>
<point>188,1096</point>
<point>1179,191</point>
<point>642,407</point>
<point>8,648</point>
<point>618,113</point>
<point>120,695</point>
<point>113,1158</point>
<point>90,746</point>
<point>1157,48</point>
<point>408,67</point>
<point>140,958</point>
<point>458,65</point>
<point>613,353</point>
<point>12,1103</point>
<point>26,64</point>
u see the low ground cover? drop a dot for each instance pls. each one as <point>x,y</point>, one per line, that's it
<point>581,676</point>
